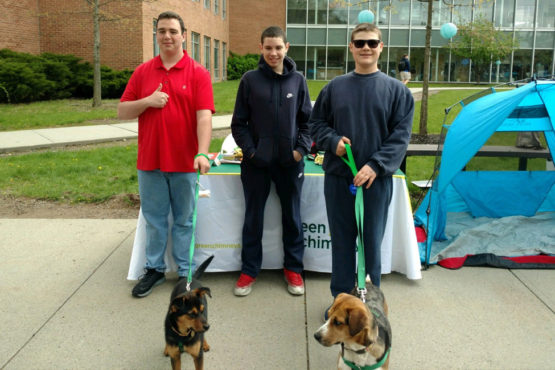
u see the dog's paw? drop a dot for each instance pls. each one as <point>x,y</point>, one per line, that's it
<point>205,346</point>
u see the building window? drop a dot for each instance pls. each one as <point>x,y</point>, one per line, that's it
<point>224,8</point>
<point>156,47</point>
<point>207,52</point>
<point>217,59</point>
<point>207,4</point>
<point>319,31</point>
<point>525,13</point>
<point>504,13</point>
<point>195,39</point>
<point>296,12</point>
<point>338,13</point>
<point>546,10</point>
<point>224,60</point>
<point>216,6</point>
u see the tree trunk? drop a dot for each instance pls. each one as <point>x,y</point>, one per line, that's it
<point>97,89</point>
<point>423,127</point>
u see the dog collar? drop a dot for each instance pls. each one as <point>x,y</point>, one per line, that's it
<point>190,333</point>
<point>354,366</point>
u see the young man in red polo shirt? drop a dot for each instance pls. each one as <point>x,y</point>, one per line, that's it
<point>171,95</point>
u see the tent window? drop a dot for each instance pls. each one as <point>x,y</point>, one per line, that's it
<point>534,111</point>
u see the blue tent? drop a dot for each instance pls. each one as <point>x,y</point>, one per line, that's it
<point>487,196</point>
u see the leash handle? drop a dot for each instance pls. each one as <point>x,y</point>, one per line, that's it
<point>359,215</point>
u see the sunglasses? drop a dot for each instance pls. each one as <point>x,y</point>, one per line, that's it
<point>372,43</point>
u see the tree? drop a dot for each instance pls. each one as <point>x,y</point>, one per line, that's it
<point>423,125</point>
<point>97,84</point>
<point>100,11</point>
<point>98,15</point>
<point>480,42</point>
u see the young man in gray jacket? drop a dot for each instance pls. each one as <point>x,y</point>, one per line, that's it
<point>372,112</point>
<point>270,125</point>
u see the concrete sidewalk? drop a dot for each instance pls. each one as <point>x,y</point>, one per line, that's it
<point>13,141</point>
<point>66,304</point>
<point>23,140</point>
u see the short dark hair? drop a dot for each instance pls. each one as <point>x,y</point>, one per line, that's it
<point>273,31</point>
<point>366,27</point>
<point>171,15</point>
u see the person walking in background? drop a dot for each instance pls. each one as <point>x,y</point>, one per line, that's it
<point>373,113</point>
<point>404,69</point>
<point>172,96</point>
<point>270,125</point>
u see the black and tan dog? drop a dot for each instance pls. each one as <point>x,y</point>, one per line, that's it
<point>186,320</point>
<point>362,329</point>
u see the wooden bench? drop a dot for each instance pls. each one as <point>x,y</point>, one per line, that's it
<point>427,150</point>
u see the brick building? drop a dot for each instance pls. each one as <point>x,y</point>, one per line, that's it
<point>317,30</point>
<point>127,30</point>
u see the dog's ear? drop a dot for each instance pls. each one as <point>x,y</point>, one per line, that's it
<point>358,320</point>
<point>199,292</point>
<point>366,337</point>
<point>176,304</point>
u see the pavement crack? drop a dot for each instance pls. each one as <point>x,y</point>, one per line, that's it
<point>533,293</point>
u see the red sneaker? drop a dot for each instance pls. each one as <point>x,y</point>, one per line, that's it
<point>295,283</point>
<point>243,286</point>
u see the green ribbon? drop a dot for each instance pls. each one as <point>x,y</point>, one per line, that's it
<point>359,214</point>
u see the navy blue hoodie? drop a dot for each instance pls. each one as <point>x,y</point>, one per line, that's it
<point>271,114</point>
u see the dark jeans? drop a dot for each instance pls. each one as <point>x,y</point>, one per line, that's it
<point>340,206</point>
<point>256,187</point>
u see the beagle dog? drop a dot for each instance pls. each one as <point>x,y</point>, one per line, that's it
<point>362,329</point>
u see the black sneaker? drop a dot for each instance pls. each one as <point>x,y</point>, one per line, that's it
<point>149,280</point>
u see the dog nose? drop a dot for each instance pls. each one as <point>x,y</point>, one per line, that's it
<point>206,327</point>
<point>317,336</point>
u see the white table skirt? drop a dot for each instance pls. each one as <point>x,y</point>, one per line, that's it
<point>220,222</point>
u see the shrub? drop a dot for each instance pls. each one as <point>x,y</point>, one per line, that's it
<point>113,82</point>
<point>23,83</point>
<point>80,74</point>
<point>237,65</point>
<point>26,78</point>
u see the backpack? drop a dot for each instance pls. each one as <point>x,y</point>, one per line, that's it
<point>401,65</point>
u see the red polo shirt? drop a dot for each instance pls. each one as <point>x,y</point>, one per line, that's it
<point>168,136</point>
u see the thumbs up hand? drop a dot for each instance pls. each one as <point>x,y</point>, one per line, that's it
<point>158,99</point>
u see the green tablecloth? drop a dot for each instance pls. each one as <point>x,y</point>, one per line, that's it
<point>309,169</point>
<point>232,168</point>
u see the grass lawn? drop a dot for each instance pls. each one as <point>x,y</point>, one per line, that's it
<point>71,112</point>
<point>67,112</point>
<point>94,175</point>
<point>72,176</point>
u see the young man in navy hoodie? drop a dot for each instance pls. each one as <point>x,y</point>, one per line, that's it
<point>371,112</point>
<point>270,125</point>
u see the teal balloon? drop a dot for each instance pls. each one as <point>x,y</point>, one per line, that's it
<point>448,30</point>
<point>366,16</point>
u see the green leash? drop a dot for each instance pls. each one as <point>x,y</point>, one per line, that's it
<point>192,246</point>
<point>361,271</point>
<point>359,214</point>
